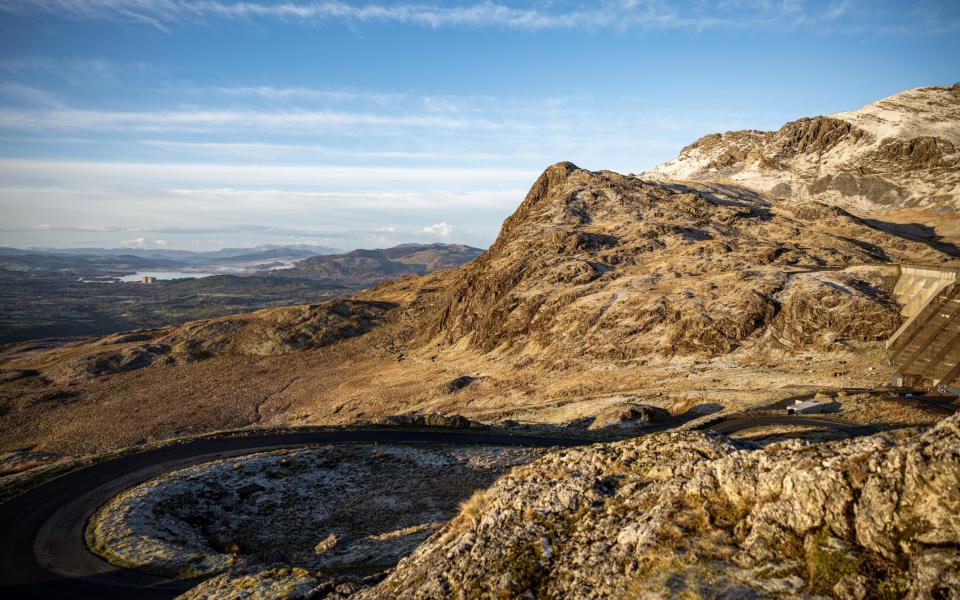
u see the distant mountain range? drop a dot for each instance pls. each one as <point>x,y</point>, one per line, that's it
<point>365,267</point>
<point>56,293</point>
<point>356,268</point>
<point>180,258</point>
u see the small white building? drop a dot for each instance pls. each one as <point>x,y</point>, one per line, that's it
<point>807,407</point>
<point>148,279</point>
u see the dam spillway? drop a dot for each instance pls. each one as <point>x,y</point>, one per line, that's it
<point>926,348</point>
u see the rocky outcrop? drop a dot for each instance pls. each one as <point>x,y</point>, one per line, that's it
<point>819,134</point>
<point>280,583</point>
<point>820,308</point>
<point>897,154</point>
<point>677,514</point>
<point>630,416</point>
<point>925,152</point>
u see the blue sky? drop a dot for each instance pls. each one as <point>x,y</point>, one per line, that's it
<point>167,123</point>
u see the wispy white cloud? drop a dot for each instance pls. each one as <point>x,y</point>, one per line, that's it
<point>21,93</point>
<point>260,151</point>
<point>441,229</point>
<point>375,200</point>
<point>608,14</point>
<point>137,204</point>
<point>162,13</point>
<point>443,130</point>
<point>304,93</point>
<point>82,176</point>
<point>209,119</point>
<point>77,71</point>
<point>139,242</point>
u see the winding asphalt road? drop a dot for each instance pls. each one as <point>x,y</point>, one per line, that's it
<point>42,550</point>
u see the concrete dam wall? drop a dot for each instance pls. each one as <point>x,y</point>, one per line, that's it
<point>926,348</point>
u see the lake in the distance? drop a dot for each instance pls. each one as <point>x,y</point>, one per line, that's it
<point>166,275</point>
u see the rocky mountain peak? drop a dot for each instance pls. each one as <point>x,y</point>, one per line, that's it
<point>915,113</point>
<point>899,156</point>
<point>603,265</point>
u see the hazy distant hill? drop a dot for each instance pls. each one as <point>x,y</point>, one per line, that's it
<point>45,293</point>
<point>162,258</point>
<point>13,261</point>
<point>367,267</point>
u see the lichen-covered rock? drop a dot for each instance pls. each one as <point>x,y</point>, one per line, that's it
<point>685,513</point>
<point>348,510</point>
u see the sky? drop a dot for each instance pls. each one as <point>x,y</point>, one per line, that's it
<point>217,123</point>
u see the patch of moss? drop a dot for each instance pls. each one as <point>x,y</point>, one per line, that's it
<point>789,546</point>
<point>826,566</point>
<point>526,562</point>
<point>910,529</point>
<point>528,568</point>
<point>892,586</point>
<point>725,514</point>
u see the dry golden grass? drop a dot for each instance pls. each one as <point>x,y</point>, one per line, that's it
<point>471,510</point>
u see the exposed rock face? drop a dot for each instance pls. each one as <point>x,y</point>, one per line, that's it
<point>262,333</point>
<point>688,513</point>
<point>817,309</point>
<point>899,153</point>
<point>602,265</point>
<point>458,383</point>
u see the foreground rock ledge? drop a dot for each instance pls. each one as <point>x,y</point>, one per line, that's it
<point>677,514</point>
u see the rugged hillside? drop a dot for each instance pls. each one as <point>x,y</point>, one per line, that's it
<point>368,267</point>
<point>605,266</point>
<point>263,333</point>
<point>591,266</point>
<point>687,514</point>
<point>898,158</point>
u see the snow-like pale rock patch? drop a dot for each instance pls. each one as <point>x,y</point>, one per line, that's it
<point>334,510</point>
